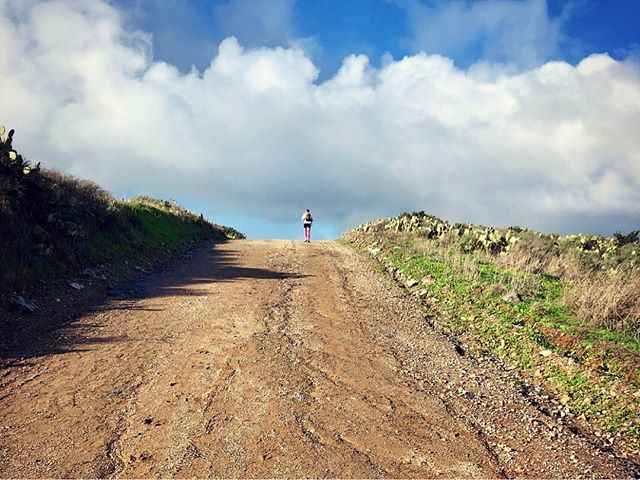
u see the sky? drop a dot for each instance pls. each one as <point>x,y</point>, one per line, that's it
<point>501,112</point>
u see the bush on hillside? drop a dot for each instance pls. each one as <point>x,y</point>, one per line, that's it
<point>563,310</point>
<point>51,223</point>
<point>602,273</point>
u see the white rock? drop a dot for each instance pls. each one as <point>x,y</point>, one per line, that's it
<point>20,303</point>
<point>512,297</point>
<point>92,273</point>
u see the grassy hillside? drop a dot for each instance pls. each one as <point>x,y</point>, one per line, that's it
<point>51,224</point>
<point>564,311</point>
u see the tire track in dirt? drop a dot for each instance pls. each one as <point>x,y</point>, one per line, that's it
<point>271,359</point>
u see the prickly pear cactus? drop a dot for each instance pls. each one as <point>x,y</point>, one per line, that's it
<point>11,162</point>
<point>475,237</point>
<point>620,253</point>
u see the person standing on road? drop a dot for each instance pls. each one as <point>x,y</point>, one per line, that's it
<point>307,220</point>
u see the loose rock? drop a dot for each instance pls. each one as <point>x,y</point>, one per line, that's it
<point>92,273</point>
<point>24,305</point>
<point>512,297</point>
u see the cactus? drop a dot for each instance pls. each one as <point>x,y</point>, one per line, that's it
<point>473,237</point>
<point>631,237</point>
<point>425,225</point>
<point>608,254</point>
<point>11,162</point>
<point>604,252</point>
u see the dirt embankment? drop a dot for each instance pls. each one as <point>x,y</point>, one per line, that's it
<point>272,358</point>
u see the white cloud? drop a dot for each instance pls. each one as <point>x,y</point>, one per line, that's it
<point>257,22</point>
<point>517,33</point>
<point>263,23</point>
<point>555,147</point>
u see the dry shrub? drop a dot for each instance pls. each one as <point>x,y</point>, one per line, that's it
<point>611,301</point>
<point>601,287</point>
<point>532,254</point>
<point>45,221</point>
<point>497,289</point>
<point>538,256</point>
<point>170,206</point>
<point>608,299</point>
<point>447,252</point>
<point>465,264</point>
<point>59,189</point>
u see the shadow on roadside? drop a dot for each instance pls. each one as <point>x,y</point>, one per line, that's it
<point>54,328</point>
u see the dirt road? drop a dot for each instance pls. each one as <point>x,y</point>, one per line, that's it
<point>272,359</point>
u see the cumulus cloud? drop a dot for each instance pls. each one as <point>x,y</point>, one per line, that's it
<point>520,33</point>
<point>187,33</point>
<point>555,147</point>
<point>183,32</point>
<point>257,22</point>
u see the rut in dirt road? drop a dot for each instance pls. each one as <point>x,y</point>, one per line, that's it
<point>272,359</point>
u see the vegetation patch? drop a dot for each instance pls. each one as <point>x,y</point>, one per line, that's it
<point>52,224</point>
<point>522,296</point>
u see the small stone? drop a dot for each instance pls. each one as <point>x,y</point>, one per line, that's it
<point>76,285</point>
<point>92,273</point>
<point>545,353</point>
<point>411,282</point>
<point>512,297</point>
<point>20,303</point>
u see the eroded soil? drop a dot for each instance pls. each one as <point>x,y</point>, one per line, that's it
<point>272,359</point>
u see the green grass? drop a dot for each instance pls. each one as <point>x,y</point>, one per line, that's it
<point>151,229</point>
<point>545,291</point>
<point>141,229</point>
<point>53,224</point>
<point>585,363</point>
